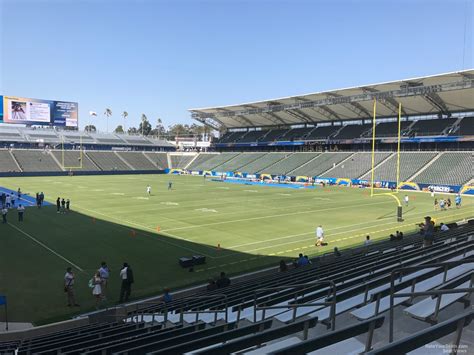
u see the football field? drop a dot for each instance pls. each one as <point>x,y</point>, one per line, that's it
<point>237,227</point>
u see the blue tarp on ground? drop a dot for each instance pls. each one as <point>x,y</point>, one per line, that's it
<point>26,200</point>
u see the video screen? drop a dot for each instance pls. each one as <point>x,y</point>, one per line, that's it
<point>39,112</point>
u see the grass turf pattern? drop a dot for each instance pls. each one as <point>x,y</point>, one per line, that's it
<point>112,218</point>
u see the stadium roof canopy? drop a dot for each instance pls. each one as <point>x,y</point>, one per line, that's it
<point>438,94</point>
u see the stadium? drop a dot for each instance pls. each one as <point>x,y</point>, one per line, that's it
<point>339,221</point>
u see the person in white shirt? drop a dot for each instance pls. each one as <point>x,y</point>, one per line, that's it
<point>4,215</point>
<point>406,200</point>
<point>8,201</point>
<point>97,289</point>
<point>104,274</point>
<point>367,241</point>
<point>69,288</point>
<point>443,227</point>
<point>21,211</point>
<point>126,275</point>
<point>319,236</point>
<point>148,189</point>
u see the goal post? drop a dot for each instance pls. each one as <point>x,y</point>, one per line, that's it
<point>63,155</point>
<point>372,170</point>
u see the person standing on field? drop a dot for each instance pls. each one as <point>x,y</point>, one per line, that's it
<point>69,278</point>
<point>406,199</point>
<point>126,275</point>
<point>21,211</point>
<point>58,205</point>
<point>104,272</point>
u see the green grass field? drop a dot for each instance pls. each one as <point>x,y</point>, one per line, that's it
<point>113,219</point>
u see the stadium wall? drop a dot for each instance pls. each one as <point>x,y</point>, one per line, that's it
<point>75,173</point>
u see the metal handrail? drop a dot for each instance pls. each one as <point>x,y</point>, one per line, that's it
<point>413,293</point>
<point>197,312</point>
<point>299,292</point>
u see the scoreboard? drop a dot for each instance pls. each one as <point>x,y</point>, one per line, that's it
<point>20,110</point>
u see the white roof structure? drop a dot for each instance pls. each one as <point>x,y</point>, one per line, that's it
<point>438,94</point>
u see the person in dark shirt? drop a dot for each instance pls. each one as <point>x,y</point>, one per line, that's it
<point>337,252</point>
<point>283,266</point>
<point>68,204</point>
<point>223,281</point>
<point>58,205</point>
<point>63,206</point>
<point>167,298</point>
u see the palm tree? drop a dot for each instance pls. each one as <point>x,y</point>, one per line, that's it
<point>144,119</point>
<point>108,113</point>
<point>124,116</point>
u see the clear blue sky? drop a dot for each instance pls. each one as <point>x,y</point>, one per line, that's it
<point>163,57</point>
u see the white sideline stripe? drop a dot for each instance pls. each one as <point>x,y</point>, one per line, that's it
<point>341,227</point>
<point>332,234</point>
<point>275,215</point>
<point>46,247</point>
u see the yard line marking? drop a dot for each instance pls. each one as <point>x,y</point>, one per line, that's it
<point>250,190</point>
<point>336,228</point>
<point>206,210</point>
<point>154,235</point>
<point>343,232</point>
<point>169,203</point>
<point>118,193</point>
<point>284,194</point>
<point>276,215</point>
<point>141,198</point>
<point>46,247</point>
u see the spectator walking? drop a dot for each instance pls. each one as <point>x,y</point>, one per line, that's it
<point>21,211</point>
<point>69,279</point>
<point>126,275</point>
<point>223,281</point>
<point>104,273</point>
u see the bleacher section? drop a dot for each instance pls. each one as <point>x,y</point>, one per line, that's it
<point>263,162</point>
<point>322,132</point>
<point>448,169</point>
<point>74,159</point>
<point>431,127</point>
<point>238,161</point>
<point>320,164</point>
<point>7,163</point>
<point>390,129</point>
<point>356,166</point>
<point>180,161</point>
<point>352,131</point>
<point>292,162</point>
<point>466,127</point>
<point>35,160</point>
<point>200,160</point>
<point>213,162</point>
<point>251,136</point>
<point>10,134</point>
<point>108,161</point>
<point>337,305</point>
<point>138,160</point>
<point>159,159</point>
<point>410,163</point>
